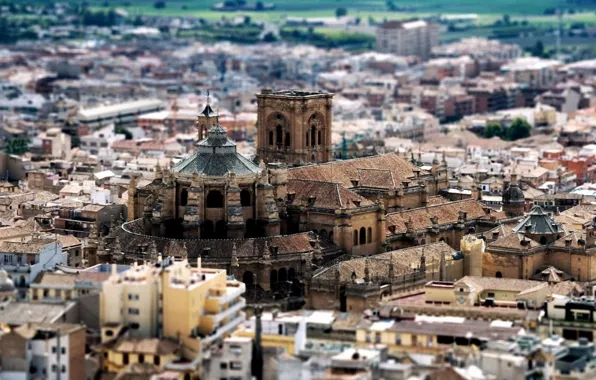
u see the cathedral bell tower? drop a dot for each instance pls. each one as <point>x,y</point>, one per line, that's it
<point>207,118</point>
<point>294,127</point>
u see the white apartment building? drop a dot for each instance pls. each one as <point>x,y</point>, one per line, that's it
<point>410,38</point>
<point>99,143</point>
<point>43,351</point>
<point>24,260</point>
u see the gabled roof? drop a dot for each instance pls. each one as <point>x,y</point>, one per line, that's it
<point>445,213</point>
<point>539,223</point>
<point>326,195</point>
<point>514,240</point>
<point>344,171</point>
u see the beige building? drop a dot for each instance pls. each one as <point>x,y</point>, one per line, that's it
<point>410,38</point>
<point>167,314</point>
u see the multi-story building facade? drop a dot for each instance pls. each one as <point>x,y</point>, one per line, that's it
<point>172,313</point>
<point>45,351</point>
<point>410,38</point>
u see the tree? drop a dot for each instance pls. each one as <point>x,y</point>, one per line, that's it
<point>17,145</point>
<point>159,4</point>
<point>506,19</point>
<point>341,12</point>
<point>123,131</point>
<point>519,129</point>
<point>538,49</point>
<point>269,37</point>
<point>259,6</point>
<point>391,6</point>
<point>138,21</point>
<point>492,130</point>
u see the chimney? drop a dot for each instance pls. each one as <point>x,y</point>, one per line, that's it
<point>291,196</point>
<point>355,182</point>
<point>311,200</point>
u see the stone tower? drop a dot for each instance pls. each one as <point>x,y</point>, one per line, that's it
<point>472,249</point>
<point>514,202</point>
<point>294,127</point>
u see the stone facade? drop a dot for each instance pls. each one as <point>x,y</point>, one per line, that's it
<point>294,127</point>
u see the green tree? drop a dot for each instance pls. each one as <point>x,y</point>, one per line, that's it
<point>341,12</point>
<point>138,21</point>
<point>17,145</point>
<point>159,4</point>
<point>506,19</point>
<point>269,37</point>
<point>519,129</point>
<point>538,49</point>
<point>492,130</point>
<point>259,6</point>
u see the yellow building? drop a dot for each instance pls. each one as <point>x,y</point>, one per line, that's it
<point>167,315</point>
<point>471,290</point>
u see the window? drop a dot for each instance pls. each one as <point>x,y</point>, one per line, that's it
<point>223,365</point>
<point>491,295</point>
<point>54,367</point>
<point>362,235</point>
<point>125,358</point>
<point>398,339</point>
<point>156,360</point>
<point>287,138</point>
<point>279,135</point>
<point>306,138</point>
<point>133,311</point>
<point>369,236</point>
<point>236,366</point>
<point>141,358</point>
<point>53,349</point>
<point>133,297</point>
<point>63,369</point>
<point>270,137</point>
<point>63,350</point>
<point>183,197</point>
<point>378,337</point>
<point>368,338</point>
<point>355,237</point>
<point>319,137</point>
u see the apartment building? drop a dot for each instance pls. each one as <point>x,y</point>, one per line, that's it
<point>168,314</point>
<point>409,38</point>
<point>125,113</point>
<point>52,351</point>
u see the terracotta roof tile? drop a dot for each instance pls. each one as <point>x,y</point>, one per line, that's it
<point>327,195</point>
<point>505,284</point>
<point>445,213</point>
<point>346,170</point>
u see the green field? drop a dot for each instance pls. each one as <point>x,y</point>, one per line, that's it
<point>488,11</point>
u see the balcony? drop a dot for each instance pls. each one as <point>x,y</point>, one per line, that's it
<point>215,319</point>
<point>228,327</point>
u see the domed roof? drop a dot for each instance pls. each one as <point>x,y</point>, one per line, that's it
<point>6,283</point>
<point>216,155</point>
<point>513,194</point>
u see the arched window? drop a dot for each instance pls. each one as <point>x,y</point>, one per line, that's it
<point>355,237</point>
<point>215,199</point>
<point>245,198</point>
<point>313,135</point>
<point>273,279</point>
<point>362,235</point>
<point>282,275</point>
<point>183,197</point>
<point>319,137</point>
<point>291,274</point>
<point>306,138</point>
<point>251,229</point>
<point>248,278</point>
<point>270,137</point>
<point>369,237</point>
<point>543,240</point>
<point>279,135</point>
<point>287,138</point>
<point>499,275</point>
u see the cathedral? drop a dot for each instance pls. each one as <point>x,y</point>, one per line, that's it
<point>283,218</point>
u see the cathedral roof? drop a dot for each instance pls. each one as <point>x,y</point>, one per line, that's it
<point>445,213</point>
<point>216,156</point>
<point>326,195</point>
<point>390,167</point>
<point>539,223</point>
<point>513,195</point>
<point>514,240</point>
